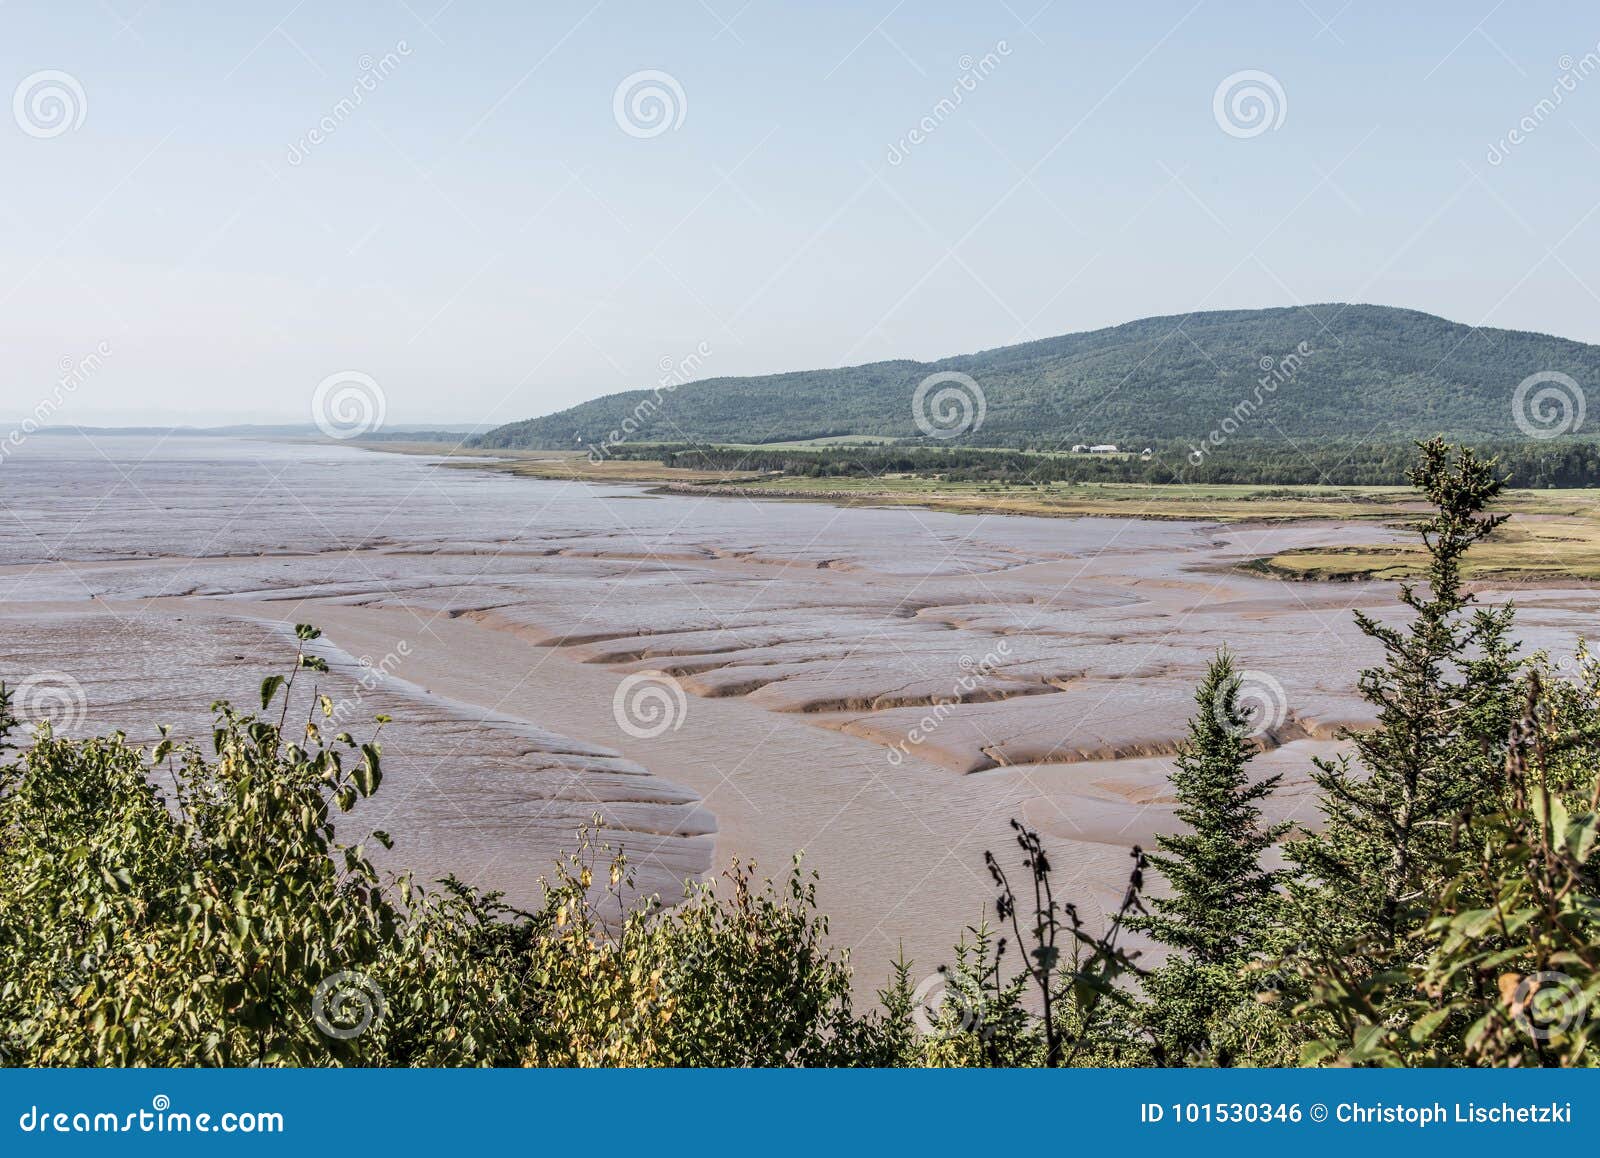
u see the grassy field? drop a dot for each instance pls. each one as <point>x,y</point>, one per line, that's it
<point>870,440</point>
<point>1127,500</point>
<point>1532,548</point>
<point>1552,535</point>
<point>810,443</point>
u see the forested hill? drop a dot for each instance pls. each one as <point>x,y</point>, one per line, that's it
<point>1360,371</point>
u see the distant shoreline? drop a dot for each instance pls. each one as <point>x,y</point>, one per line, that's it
<point>1553,538</point>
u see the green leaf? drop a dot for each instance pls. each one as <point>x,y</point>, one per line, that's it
<point>368,775</point>
<point>1316,1052</point>
<point>269,688</point>
<point>1425,1025</point>
<point>1581,836</point>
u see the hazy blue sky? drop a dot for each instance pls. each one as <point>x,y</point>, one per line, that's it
<point>483,238</point>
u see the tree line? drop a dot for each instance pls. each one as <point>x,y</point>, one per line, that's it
<point>1557,463</point>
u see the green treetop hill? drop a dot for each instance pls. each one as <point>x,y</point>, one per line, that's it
<point>1363,372</point>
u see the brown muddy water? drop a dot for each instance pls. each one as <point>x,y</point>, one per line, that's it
<point>715,677</point>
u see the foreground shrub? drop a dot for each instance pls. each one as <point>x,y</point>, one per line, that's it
<point>1507,971</point>
<point>735,975</point>
<point>223,923</point>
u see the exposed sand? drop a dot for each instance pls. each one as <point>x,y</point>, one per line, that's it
<point>883,689</point>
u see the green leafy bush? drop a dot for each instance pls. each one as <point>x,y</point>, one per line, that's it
<point>223,923</point>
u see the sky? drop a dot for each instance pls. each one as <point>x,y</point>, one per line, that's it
<point>210,210</point>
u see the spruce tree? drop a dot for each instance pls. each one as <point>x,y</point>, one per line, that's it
<point>1221,901</point>
<point>1445,699</point>
<point>1221,895</point>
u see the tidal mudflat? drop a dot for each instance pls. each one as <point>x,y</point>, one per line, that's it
<point>716,677</point>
